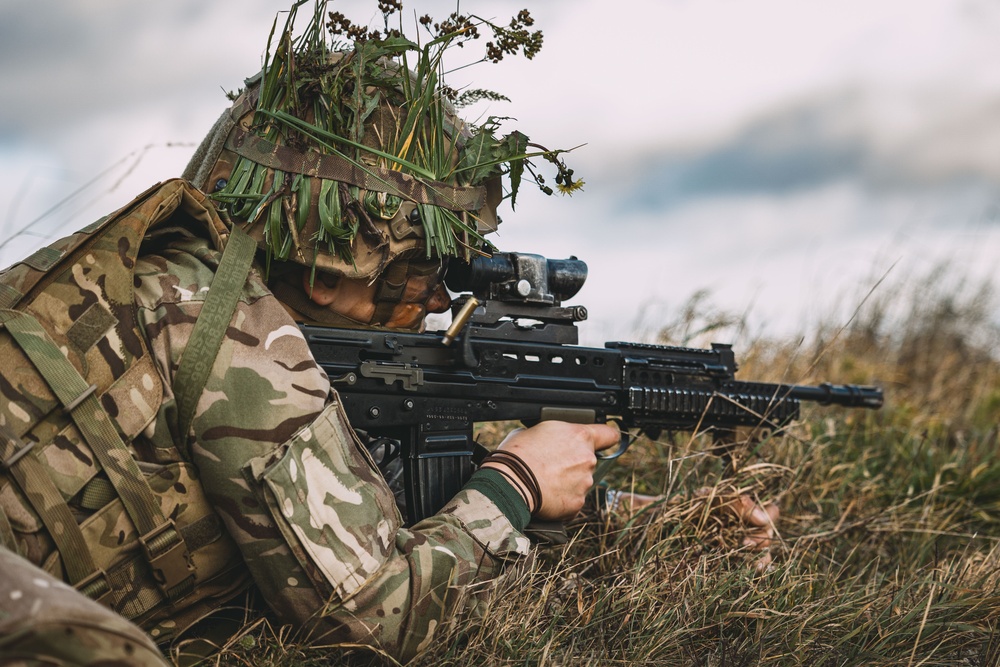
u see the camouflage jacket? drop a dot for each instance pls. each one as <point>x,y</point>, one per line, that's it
<point>270,454</point>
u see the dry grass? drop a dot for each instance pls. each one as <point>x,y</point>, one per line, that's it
<point>889,549</point>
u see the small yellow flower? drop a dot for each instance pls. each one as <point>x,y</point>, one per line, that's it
<point>571,187</point>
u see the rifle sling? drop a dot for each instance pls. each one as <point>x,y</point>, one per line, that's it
<point>210,328</point>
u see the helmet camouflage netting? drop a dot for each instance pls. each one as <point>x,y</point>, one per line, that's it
<point>343,159</point>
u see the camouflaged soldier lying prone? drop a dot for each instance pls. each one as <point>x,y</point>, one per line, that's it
<point>169,440</point>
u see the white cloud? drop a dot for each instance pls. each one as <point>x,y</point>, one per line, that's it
<point>911,87</point>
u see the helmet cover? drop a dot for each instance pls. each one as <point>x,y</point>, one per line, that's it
<point>345,159</point>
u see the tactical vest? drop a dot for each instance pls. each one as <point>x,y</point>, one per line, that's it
<point>77,385</point>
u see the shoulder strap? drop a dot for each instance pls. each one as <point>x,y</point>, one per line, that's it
<point>36,485</point>
<point>164,548</point>
<point>206,337</point>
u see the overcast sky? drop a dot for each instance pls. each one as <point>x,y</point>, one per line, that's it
<point>782,153</point>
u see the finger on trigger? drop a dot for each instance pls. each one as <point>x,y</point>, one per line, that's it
<point>604,435</point>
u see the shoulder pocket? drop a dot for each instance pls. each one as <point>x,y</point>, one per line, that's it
<point>330,502</point>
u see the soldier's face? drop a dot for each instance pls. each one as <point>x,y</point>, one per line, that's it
<point>356,298</point>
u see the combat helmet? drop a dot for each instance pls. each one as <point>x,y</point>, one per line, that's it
<point>345,157</point>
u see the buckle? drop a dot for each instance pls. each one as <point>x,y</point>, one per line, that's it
<point>169,559</point>
<point>97,587</point>
<point>75,403</point>
<point>21,449</point>
<point>389,291</point>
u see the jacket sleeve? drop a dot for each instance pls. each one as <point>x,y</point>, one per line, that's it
<point>315,522</point>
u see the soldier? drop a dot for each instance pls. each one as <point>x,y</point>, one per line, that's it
<point>170,440</point>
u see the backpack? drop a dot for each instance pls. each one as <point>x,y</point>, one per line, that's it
<point>77,385</point>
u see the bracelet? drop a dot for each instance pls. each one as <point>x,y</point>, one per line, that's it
<point>505,471</point>
<point>518,467</point>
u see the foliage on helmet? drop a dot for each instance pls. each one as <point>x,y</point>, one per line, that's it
<point>329,89</point>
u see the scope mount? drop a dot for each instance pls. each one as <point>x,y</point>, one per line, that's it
<point>505,320</point>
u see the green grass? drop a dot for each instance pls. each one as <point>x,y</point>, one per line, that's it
<point>889,549</point>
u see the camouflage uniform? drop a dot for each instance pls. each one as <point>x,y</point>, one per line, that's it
<point>314,520</point>
<point>303,506</point>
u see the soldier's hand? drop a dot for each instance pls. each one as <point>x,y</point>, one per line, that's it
<point>761,521</point>
<point>562,457</point>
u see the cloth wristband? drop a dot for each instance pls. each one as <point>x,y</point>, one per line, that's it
<point>495,486</point>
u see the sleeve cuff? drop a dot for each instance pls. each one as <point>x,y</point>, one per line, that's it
<point>495,486</point>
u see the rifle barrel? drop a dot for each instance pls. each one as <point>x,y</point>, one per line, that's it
<point>848,395</point>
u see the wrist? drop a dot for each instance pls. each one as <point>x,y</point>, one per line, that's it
<point>503,494</point>
<point>520,474</point>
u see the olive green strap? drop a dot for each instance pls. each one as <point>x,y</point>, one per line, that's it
<point>9,296</point>
<point>163,545</point>
<point>97,493</point>
<point>206,337</point>
<point>391,289</point>
<point>7,539</point>
<point>38,488</point>
<point>80,400</point>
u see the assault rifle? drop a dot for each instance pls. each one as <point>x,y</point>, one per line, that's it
<point>512,353</point>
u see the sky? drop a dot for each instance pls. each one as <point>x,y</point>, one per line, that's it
<point>784,155</point>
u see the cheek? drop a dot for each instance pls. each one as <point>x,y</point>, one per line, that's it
<point>417,291</point>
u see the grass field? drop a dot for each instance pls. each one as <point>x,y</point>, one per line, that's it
<point>888,553</point>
